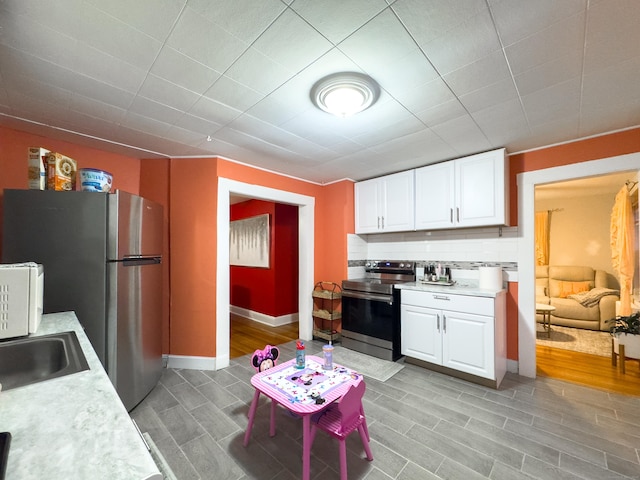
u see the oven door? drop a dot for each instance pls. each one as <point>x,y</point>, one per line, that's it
<point>370,324</point>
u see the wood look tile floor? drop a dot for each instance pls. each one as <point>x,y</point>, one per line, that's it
<point>423,425</point>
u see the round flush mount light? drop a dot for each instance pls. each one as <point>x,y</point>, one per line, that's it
<point>344,94</point>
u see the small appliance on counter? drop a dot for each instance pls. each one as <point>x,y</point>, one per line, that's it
<point>21,298</point>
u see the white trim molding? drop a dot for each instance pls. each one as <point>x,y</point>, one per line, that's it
<point>264,318</point>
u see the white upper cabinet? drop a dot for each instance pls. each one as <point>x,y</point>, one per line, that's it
<point>466,192</point>
<point>385,204</point>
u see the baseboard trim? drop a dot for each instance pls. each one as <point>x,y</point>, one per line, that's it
<point>191,363</point>
<point>263,318</point>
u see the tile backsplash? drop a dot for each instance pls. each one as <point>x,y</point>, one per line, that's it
<point>462,250</point>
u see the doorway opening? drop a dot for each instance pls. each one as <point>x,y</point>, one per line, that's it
<point>305,204</point>
<point>527,182</point>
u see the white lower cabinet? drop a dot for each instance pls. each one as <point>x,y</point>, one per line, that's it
<point>460,332</point>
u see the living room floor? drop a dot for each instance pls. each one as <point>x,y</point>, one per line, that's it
<point>423,425</point>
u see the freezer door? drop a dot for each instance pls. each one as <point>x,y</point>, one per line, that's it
<point>134,337</point>
<point>135,226</point>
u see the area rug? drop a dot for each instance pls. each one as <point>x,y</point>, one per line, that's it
<point>367,365</point>
<point>577,339</point>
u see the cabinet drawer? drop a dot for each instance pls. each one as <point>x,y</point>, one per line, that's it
<point>446,301</point>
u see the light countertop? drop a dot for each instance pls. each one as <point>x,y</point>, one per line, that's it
<point>462,287</point>
<point>72,427</point>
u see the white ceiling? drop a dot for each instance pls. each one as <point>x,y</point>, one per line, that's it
<point>155,78</point>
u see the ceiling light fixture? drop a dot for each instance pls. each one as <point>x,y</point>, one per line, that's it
<point>344,94</point>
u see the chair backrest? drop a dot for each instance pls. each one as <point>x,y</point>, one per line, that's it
<point>265,359</point>
<point>350,405</point>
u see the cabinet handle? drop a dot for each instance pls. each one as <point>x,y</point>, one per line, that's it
<point>438,322</point>
<point>458,214</point>
<point>441,297</point>
<point>383,222</point>
<point>444,323</point>
<point>451,215</point>
<point>378,223</point>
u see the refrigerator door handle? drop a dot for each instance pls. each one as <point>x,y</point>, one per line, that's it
<point>137,260</point>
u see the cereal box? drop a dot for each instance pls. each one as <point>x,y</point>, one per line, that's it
<point>61,172</point>
<point>37,168</point>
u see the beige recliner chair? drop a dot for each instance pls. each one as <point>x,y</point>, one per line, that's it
<point>555,283</point>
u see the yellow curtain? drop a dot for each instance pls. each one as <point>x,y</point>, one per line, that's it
<point>622,242</point>
<point>542,238</point>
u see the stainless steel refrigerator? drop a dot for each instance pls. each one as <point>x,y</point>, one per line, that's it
<point>102,257</point>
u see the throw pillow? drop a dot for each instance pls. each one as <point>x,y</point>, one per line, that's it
<point>541,291</point>
<point>571,288</point>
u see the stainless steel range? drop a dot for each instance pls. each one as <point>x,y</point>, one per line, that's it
<point>371,309</point>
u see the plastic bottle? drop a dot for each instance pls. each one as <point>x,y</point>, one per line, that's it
<point>300,360</point>
<point>327,351</point>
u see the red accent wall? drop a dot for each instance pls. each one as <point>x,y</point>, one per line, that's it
<point>271,291</point>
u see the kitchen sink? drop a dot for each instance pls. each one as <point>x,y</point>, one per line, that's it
<point>36,359</point>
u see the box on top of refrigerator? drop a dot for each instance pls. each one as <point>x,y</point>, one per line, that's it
<point>37,168</point>
<point>61,172</point>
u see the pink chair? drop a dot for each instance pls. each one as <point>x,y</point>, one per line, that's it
<point>342,418</point>
<point>263,360</point>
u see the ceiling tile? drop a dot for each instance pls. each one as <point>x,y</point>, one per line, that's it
<point>161,91</point>
<point>616,85</point>
<point>539,15</point>
<point>426,96</point>
<point>183,71</point>
<point>245,19</point>
<point>97,109</point>
<point>408,72</point>
<point>484,72</point>
<point>556,41</point>
<point>281,42</point>
<point>112,36</point>
<point>503,122</point>
<point>555,71</point>
<point>258,72</point>
<point>26,35</point>
<point>197,124</point>
<point>145,124</point>
<point>229,92</point>
<point>604,49</point>
<point>463,135</point>
<point>153,17</point>
<point>265,131</point>
<point>490,95</point>
<point>344,19</point>
<point>205,42</point>
<point>556,102</point>
<point>381,41</point>
<point>428,21</point>
<point>214,111</point>
<point>442,113</point>
<point>108,69</point>
<point>463,44</point>
<point>149,108</point>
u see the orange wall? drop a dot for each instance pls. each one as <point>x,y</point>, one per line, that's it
<point>154,185</point>
<point>193,241</point>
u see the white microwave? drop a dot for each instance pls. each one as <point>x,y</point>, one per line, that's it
<point>21,298</point>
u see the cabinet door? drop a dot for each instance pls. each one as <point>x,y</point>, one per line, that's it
<point>398,202</point>
<point>468,343</point>
<point>482,189</point>
<point>368,198</point>
<point>420,333</point>
<point>435,194</point>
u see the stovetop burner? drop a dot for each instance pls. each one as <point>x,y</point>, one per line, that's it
<point>381,276</point>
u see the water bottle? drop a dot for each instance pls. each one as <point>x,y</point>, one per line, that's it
<point>327,351</point>
<point>300,361</point>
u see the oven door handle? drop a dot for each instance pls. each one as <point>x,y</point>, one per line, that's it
<point>368,296</point>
